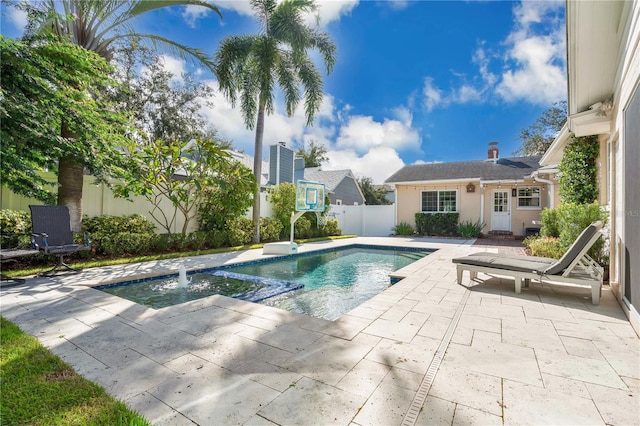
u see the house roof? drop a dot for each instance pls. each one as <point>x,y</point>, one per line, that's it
<point>504,169</point>
<point>330,178</point>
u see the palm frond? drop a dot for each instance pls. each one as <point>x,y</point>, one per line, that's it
<point>263,9</point>
<point>249,92</point>
<point>265,53</point>
<point>173,47</point>
<point>311,80</point>
<point>230,58</point>
<point>288,81</point>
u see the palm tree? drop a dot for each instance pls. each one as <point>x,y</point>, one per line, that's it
<point>97,25</point>
<point>251,66</point>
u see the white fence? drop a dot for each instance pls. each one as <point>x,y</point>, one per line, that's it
<point>366,221</point>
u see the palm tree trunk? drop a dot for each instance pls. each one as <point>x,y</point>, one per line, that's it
<point>70,179</point>
<point>257,170</point>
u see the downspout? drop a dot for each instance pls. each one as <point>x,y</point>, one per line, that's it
<point>551,187</point>
<point>482,203</point>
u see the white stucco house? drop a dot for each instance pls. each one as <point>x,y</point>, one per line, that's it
<point>603,71</point>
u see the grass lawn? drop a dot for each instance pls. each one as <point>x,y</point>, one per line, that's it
<point>38,388</point>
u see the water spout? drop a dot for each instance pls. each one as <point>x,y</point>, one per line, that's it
<point>182,276</point>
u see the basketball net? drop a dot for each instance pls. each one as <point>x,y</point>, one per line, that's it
<point>322,220</point>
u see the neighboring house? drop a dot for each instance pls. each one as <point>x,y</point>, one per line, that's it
<point>506,194</point>
<point>341,185</point>
<point>285,166</point>
<point>603,72</point>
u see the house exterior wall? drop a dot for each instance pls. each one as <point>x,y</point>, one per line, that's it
<point>622,146</point>
<point>347,191</point>
<point>409,200</point>
<point>470,204</point>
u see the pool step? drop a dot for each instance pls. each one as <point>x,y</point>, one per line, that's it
<point>274,287</point>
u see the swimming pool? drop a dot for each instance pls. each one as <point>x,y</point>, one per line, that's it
<point>324,284</point>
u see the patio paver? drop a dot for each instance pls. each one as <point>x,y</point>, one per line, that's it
<point>545,356</point>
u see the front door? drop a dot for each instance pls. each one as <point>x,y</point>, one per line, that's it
<point>501,211</point>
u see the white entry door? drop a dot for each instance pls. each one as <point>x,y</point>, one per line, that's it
<point>501,211</point>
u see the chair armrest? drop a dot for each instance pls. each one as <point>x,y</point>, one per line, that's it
<point>39,236</point>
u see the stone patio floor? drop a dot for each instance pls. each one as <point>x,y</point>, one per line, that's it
<point>425,351</point>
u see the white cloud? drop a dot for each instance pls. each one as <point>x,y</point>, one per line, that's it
<point>278,126</point>
<point>17,17</point>
<point>173,65</point>
<point>432,95</point>
<point>537,77</point>
<point>328,10</point>
<point>378,163</point>
<point>362,133</point>
<point>333,10</point>
<point>398,4</point>
<point>532,67</point>
<point>536,56</point>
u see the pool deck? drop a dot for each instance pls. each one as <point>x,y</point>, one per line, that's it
<point>425,351</point>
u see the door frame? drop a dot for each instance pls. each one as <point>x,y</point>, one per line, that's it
<point>508,198</point>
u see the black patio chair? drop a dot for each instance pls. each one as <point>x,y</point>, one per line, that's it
<point>52,235</point>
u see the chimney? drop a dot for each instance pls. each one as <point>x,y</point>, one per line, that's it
<point>492,154</point>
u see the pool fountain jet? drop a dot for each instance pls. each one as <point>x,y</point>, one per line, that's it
<point>182,276</point>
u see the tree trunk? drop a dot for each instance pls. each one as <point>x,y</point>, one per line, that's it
<point>70,179</point>
<point>257,171</point>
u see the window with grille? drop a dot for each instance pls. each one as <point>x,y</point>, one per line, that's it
<point>439,201</point>
<point>529,197</point>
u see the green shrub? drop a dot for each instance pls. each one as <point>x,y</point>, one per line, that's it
<point>578,170</point>
<point>568,220</point>
<point>283,199</point>
<point>469,229</point>
<point>124,243</point>
<point>240,231</point>
<point>403,228</point>
<point>270,229</point>
<point>302,228</point>
<point>545,246</point>
<point>550,225</point>
<point>331,228</point>
<point>441,224</point>
<point>16,229</point>
<point>223,203</point>
<point>135,224</point>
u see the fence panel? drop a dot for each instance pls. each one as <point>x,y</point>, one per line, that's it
<point>363,220</point>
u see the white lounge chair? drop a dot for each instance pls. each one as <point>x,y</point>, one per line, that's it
<point>575,268</point>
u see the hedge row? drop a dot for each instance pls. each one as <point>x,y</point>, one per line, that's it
<point>440,224</point>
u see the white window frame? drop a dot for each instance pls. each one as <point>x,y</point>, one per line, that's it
<point>519,197</point>
<point>438,191</point>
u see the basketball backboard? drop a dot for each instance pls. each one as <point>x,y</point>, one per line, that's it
<point>309,196</point>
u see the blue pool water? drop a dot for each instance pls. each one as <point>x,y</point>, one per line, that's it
<point>325,285</point>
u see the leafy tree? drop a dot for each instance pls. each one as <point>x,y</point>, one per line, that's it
<point>164,108</point>
<point>42,84</point>
<point>223,203</point>
<point>180,173</point>
<point>314,154</point>
<point>252,66</point>
<point>96,25</point>
<point>283,200</point>
<point>578,171</point>
<point>539,136</point>
<point>373,196</point>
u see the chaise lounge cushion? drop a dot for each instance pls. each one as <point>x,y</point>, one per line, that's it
<point>509,263</point>
<point>534,264</point>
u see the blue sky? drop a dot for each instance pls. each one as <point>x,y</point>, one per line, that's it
<point>414,81</point>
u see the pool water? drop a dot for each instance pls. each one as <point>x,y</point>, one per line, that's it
<point>326,284</point>
<point>335,282</point>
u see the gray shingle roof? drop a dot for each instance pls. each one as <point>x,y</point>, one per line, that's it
<point>504,169</point>
<point>330,178</point>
